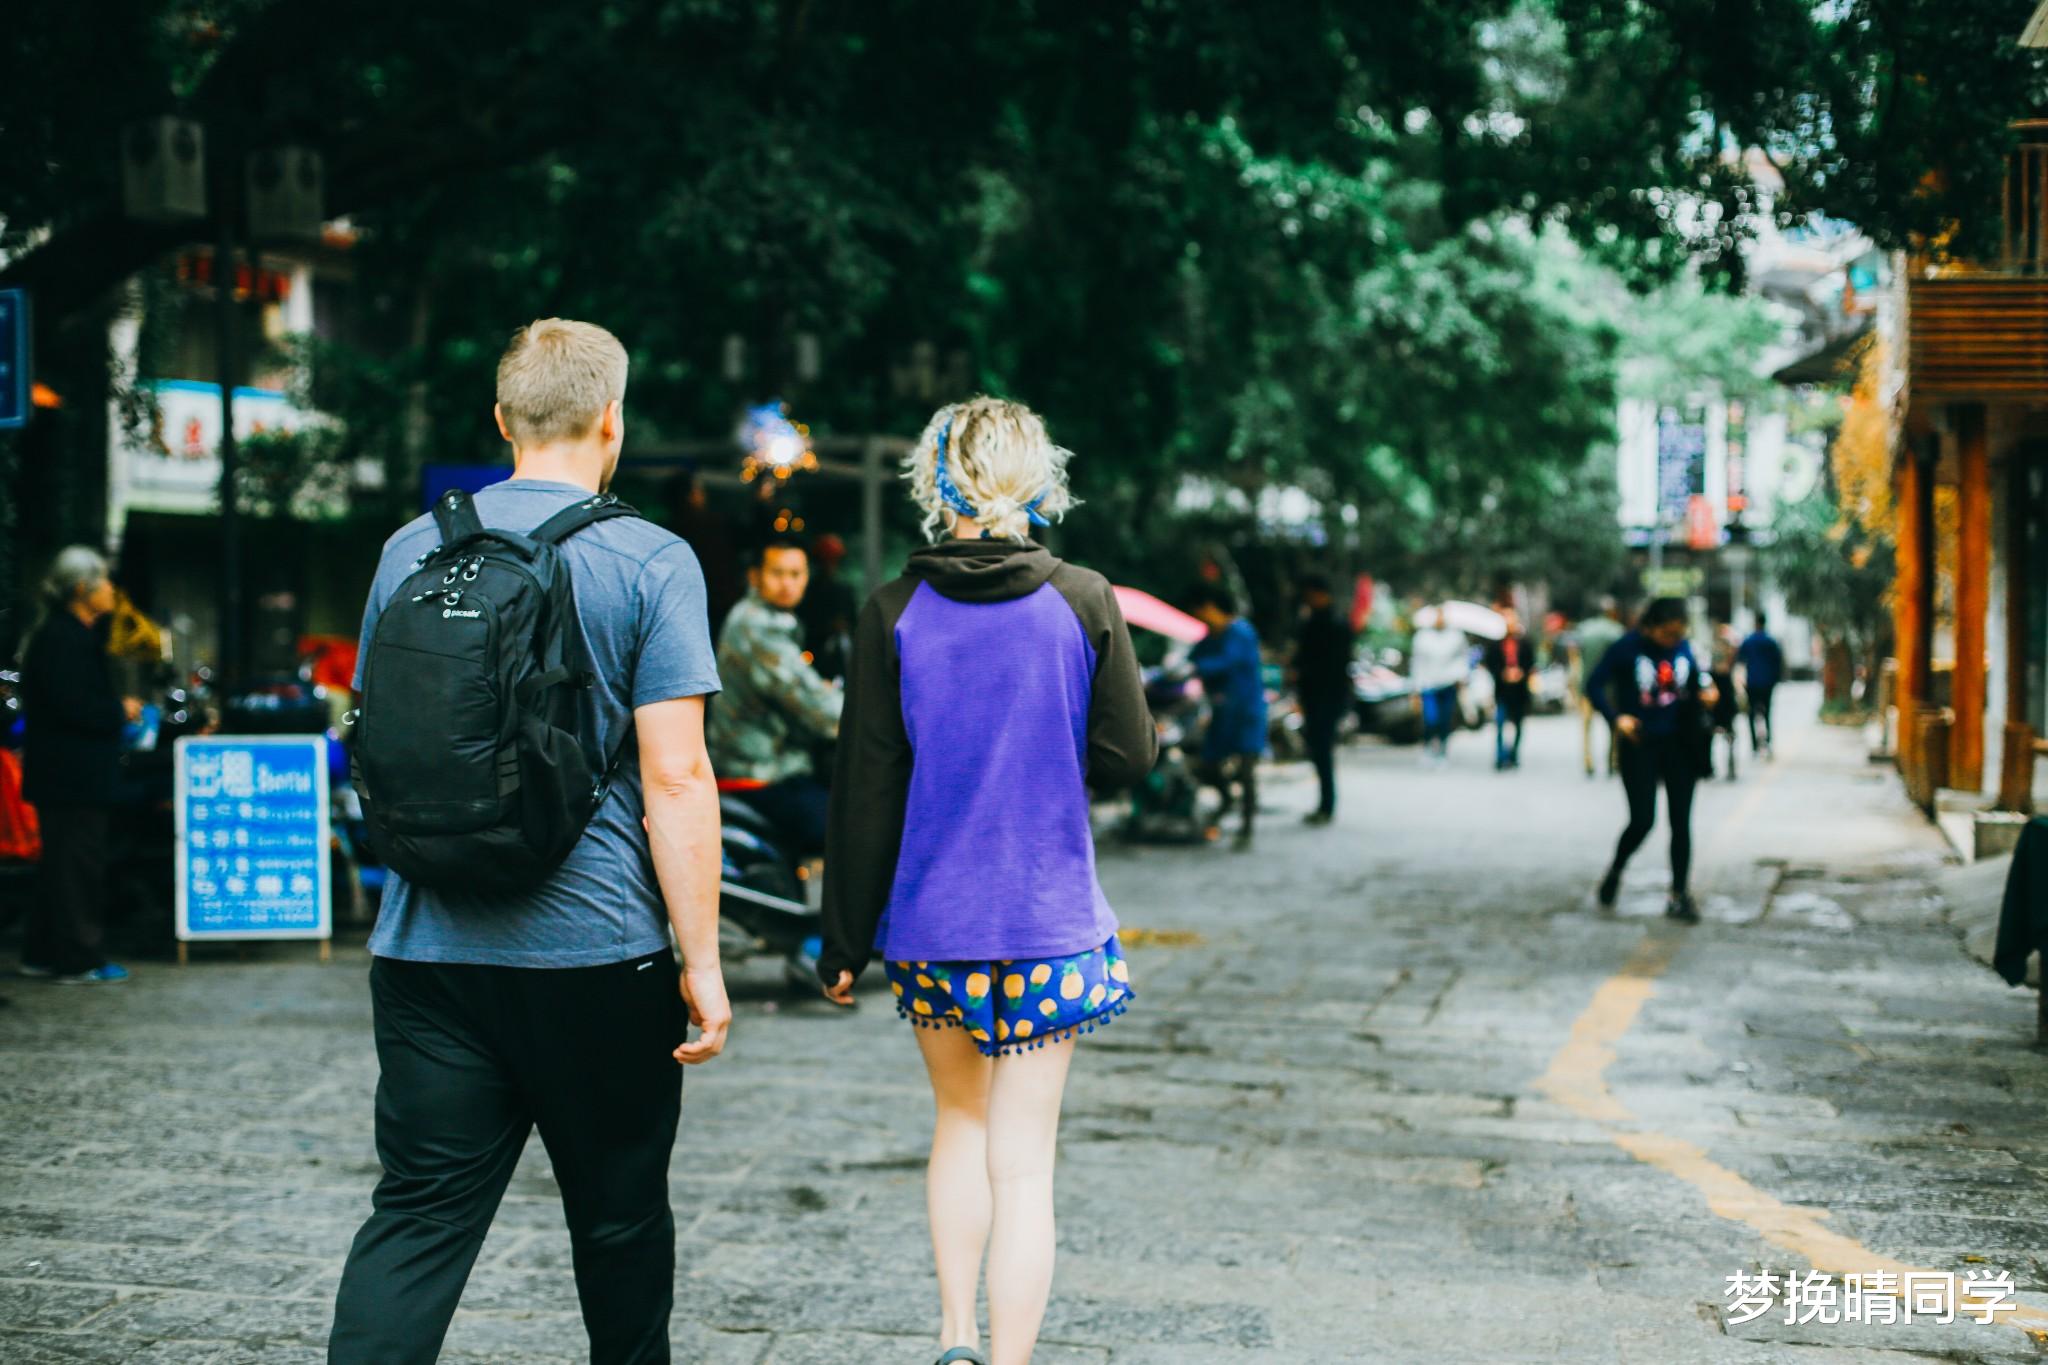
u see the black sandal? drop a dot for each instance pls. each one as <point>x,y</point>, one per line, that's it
<point>962,1355</point>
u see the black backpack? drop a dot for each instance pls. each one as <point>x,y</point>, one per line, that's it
<point>476,752</point>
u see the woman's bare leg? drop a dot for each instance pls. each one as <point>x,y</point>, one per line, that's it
<point>1023,1134</point>
<point>957,1177</point>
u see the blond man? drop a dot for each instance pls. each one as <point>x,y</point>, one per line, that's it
<point>557,1008</point>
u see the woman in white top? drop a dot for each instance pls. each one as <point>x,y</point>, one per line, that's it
<point>1438,659</point>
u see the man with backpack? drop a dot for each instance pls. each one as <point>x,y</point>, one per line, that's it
<point>530,752</point>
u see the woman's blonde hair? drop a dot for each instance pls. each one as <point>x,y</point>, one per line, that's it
<point>999,463</point>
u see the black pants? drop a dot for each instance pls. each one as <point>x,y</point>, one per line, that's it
<point>472,1059</point>
<point>1512,710</point>
<point>1646,762</point>
<point>67,928</point>
<point>1760,716</point>
<point>1319,733</point>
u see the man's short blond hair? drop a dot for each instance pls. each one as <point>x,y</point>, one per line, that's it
<point>556,379</point>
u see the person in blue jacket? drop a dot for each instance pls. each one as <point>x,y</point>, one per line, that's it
<point>1654,692</point>
<point>1228,662</point>
<point>1763,664</point>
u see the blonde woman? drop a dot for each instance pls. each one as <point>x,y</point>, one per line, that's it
<point>990,686</point>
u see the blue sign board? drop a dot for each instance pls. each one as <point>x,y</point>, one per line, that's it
<point>252,837</point>
<point>14,359</point>
<point>437,479</point>
<point>1681,462</point>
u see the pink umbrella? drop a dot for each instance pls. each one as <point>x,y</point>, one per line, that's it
<point>1143,611</point>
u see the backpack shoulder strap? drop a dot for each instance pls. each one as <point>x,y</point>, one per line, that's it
<point>576,516</point>
<point>455,516</point>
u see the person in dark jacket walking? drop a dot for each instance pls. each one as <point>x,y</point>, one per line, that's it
<point>1653,691</point>
<point>990,687</point>
<point>70,763</point>
<point>1322,683</point>
<point>1510,659</point>
<point>1763,665</point>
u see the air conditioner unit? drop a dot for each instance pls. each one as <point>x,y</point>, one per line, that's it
<point>163,170</point>
<point>285,188</point>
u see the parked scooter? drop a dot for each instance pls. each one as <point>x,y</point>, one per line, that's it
<point>763,905</point>
<point>1164,807</point>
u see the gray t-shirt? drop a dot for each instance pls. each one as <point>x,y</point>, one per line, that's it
<point>640,595</point>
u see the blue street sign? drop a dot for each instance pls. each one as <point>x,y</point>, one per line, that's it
<point>252,837</point>
<point>437,479</point>
<point>14,359</point>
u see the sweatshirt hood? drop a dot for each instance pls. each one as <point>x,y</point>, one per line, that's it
<point>983,570</point>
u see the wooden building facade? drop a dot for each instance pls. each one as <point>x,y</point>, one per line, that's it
<point>1970,458</point>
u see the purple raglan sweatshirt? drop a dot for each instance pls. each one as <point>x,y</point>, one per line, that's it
<point>990,687</point>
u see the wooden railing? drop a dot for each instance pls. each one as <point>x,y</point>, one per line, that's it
<point>1978,336</point>
<point>2025,204</point>
<point>1978,330</point>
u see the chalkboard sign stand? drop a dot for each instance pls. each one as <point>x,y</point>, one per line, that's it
<point>253,843</point>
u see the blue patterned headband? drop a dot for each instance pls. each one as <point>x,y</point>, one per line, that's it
<point>950,494</point>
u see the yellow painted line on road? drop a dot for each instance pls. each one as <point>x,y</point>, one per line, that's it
<point>1577,1075</point>
<point>1577,1079</point>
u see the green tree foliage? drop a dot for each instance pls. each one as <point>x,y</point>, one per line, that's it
<point>1836,573</point>
<point>1308,242</point>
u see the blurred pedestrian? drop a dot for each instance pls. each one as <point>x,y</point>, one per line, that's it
<point>990,686</point>
<point>1763,668</point>
<point>828,609</point>
<point>1322,682</point>
<point>1228,662</point>
<point>1438,659</point>
<point>1722,714</point>
<point>556,1005</point>
<point>1652,689</point>
<point>1510,660</point>
<point>711,539</point>
<point>775,710</point>
<point>1591,639</point>
<point>71,754</point>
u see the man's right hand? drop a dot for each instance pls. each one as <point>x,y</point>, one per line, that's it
<point>1627,726</point>
<point>704,995</point>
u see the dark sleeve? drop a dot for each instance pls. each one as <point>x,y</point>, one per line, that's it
<point>870,788</point>
<point>1324,649</point>
<point>2016,913</point>
<point>1599,683</point>
<point>1123,742</point>
<point>68,688</point>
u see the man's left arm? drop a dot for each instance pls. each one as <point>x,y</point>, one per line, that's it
<point>674,672</point>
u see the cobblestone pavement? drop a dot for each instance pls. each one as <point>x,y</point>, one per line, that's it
<point>1392,1091</point>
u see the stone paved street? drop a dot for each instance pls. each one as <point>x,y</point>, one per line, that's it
<point>1394,1091</point>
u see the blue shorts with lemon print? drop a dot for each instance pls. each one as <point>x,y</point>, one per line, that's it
<point>1014,1005</point>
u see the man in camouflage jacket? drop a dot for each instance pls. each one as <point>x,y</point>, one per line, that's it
<point>775,707</point>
